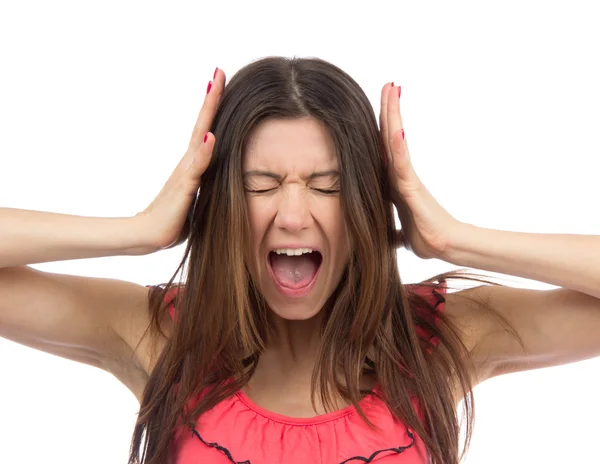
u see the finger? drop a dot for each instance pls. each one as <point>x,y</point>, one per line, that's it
<point>200,159</point>
<point>383,122</point>
<point>208,110</point>
<point>396,137</point>
<point>196,165</point>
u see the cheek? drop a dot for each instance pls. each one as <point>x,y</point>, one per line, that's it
<point>336,226</point>
<point>254,214</point>
<point>341,241</point>
<point>257,232</point>
<point>258,216</point>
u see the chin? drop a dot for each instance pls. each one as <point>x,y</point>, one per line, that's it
<point>296,313</point>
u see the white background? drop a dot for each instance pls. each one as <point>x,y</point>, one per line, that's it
<point>501,110</point>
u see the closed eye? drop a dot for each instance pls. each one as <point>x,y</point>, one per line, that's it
<point>260,191</point>
<point>323,191</point>
<point>326,191</point>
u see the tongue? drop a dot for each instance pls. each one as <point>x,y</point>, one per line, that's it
<point>293,271</point>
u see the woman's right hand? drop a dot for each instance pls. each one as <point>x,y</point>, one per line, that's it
<point>166,219</point>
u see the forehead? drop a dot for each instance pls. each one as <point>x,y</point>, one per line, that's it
<point>290,144</point>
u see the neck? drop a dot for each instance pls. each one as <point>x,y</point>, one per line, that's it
<point>295,343</point>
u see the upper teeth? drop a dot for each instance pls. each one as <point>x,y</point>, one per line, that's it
<point>292,251</point>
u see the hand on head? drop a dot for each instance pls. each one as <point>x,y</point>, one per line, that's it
<point>168,217</point>
<point>427,228</point>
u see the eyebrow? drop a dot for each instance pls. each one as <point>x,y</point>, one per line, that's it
<point>272,175</point>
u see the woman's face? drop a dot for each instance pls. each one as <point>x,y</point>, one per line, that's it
<point>292,187</point>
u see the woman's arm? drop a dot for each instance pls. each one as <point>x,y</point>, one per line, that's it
<point>30,237</point>
<point>571,261</point>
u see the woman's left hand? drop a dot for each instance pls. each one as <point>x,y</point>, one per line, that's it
<point>427,228</point>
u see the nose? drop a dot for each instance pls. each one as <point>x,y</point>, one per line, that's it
<point>293,212</point>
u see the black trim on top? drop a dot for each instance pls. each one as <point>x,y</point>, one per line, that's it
<point>227,453</point>
<point>398,450</point>
<point>222,449</point>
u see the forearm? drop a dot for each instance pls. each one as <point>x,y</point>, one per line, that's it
<point>29,237</point>
<point>565,260</point>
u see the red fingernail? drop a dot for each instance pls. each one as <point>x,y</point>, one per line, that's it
<point>392,84</point>
<point>402,134</point>
<point>205,137</point>
<point>209,86</point>
<point>215,74</point>
<point>399,90</point>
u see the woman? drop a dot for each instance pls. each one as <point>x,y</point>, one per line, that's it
<point>291,338</point>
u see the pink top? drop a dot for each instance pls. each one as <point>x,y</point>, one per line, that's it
<point>239,431</point>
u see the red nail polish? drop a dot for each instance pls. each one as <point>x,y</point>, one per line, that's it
<point>399,90</point>
<point>392,84</point>
<point>209,86</point>
<point>205,137</point>
<point>402,134</point>
<point>215,74</point>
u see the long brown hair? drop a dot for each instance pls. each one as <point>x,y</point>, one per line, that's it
<point>222,320</point>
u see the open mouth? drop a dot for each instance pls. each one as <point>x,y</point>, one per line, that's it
<point>297,271</point>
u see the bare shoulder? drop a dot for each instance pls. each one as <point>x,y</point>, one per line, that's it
<point>466,310</point>
<point>91,320</point>
<point>526,329</point>
<point>141,349</point>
